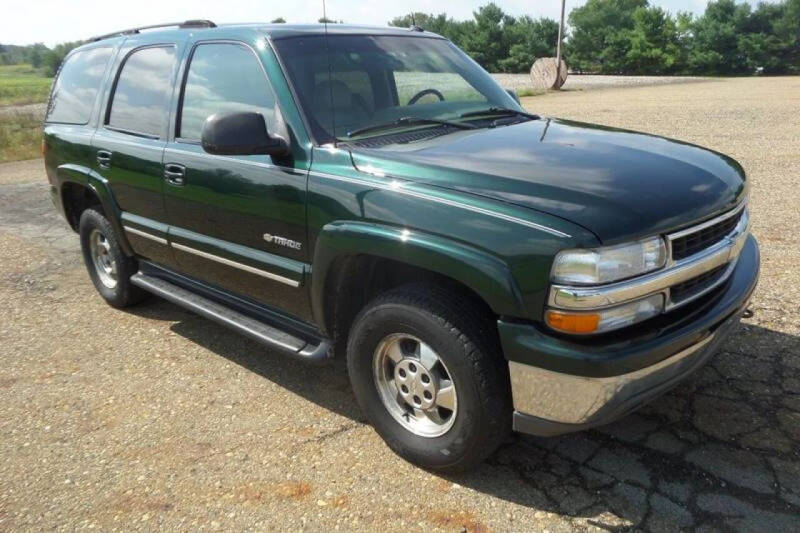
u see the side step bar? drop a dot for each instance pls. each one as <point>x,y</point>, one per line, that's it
<point>265,334</point>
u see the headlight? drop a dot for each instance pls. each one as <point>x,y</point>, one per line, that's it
<point>605,319</point>
<point>593,266</point>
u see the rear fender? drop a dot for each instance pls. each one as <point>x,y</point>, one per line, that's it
<point>98,184</point>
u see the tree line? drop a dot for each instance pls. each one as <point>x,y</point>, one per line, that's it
<point>46,60</point>
<point>603,36</point>
<point>632,37</point>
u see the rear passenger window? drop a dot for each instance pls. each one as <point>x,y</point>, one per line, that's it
<point>224,77</point>
<point>142,90</point>
<point>76,88</point>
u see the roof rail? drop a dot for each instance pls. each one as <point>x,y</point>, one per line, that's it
<point>182,25</point>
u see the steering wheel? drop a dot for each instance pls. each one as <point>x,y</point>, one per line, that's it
<point>425,92</point>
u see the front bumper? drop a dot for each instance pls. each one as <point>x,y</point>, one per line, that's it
<point>564,385</point>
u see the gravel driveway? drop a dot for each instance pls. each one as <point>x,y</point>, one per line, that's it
<point>594,81</point>
<point>155,418</point>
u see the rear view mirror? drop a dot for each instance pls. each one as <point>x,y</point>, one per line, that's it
<point>240,133</point>
<point>513,95</point>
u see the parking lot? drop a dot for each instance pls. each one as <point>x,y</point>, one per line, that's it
<point>154,417</point>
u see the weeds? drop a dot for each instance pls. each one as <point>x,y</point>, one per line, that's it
<point>20,136</point>
<point>23,84</point>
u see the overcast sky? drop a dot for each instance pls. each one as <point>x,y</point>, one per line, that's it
<point>55,21</point>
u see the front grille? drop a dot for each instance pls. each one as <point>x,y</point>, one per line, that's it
<point>698,241</point>
<point>693,286</point>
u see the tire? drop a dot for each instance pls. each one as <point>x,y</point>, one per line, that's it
<point>115,287</point>
<point>464,339</point>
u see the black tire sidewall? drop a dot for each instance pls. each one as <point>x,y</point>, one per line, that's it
<point>123,293</point>
<point>460,441</point>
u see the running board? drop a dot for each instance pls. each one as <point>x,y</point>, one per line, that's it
<point>265,334</point>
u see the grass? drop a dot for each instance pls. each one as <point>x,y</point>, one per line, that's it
<point>522,93</point>
<point>20,136</point>
<point>23,84</point>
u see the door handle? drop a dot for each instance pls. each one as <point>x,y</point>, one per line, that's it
<point>104,159</point>
<point>175,173</point>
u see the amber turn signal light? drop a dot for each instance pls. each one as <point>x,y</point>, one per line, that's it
<point>572,322</point>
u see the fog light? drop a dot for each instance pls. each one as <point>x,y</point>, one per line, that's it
<point>605,319</point>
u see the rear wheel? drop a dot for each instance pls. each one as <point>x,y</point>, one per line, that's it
<point>109,268</point>
<point>426,369</point>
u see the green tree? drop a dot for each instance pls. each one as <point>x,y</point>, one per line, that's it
<point>530,39</point>
<point>599,40</point>
<point>53,59</point>
<point>653,47</point>
<point>716,34</point>
<point>279,20</point>
<point>440,24</point>
<point>772,41</point>
<point>488,42</point>
<point>632,37</point>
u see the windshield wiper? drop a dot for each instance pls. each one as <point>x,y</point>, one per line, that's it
<point>410,121</point>
<point>499,111</point>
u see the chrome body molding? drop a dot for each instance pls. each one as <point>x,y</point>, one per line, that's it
<point>568,399</point>
<point>235,264</point>
<point>150,236</point>
<point>398,187</point>
<point>726,251</point>
<point>212,257</point>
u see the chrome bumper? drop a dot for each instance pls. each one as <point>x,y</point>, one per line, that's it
<point>553,403</point>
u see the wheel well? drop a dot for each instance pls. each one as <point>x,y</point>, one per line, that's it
<point>77,198</point>
<point>356,280</point>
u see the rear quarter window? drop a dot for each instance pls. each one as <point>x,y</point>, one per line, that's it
<point>75,90</point>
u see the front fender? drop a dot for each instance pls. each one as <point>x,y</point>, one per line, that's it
<point>484,273</point>
<point>98,184</point>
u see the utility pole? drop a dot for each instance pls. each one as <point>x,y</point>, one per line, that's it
<point>558,47</point>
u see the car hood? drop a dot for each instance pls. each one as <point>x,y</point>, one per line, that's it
<point>618,184</point>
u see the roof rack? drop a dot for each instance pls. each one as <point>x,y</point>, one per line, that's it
<point>182,25</point>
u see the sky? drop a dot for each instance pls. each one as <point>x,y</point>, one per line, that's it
<point>55,21</point>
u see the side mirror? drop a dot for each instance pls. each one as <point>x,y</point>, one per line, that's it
<point>513,95</point>
<point>240,133</point>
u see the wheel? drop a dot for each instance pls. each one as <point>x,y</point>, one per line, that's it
<point>426,369</point>
<point>109,268</point>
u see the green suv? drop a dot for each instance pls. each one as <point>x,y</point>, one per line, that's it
<point>372,192</point>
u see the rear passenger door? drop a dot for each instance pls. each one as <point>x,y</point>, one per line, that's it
<point>129,144</point>
<point>236,222</point>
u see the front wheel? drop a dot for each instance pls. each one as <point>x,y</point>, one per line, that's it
<point>426,369</point>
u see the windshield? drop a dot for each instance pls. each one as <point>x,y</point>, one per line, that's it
<point>359,81</point>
